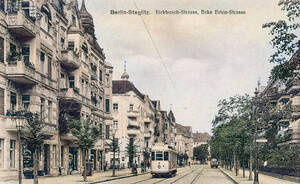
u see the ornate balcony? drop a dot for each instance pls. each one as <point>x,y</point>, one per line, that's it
<point>293,86</point>
<point>147,134</point>
<point>24,73</point>
<point>68,137</point>
<point>21,25</point>
<point>72,95</point>
<point>132,113</point>
<point>49,130</point>
<point>69,60</point>
<point>133,131</point>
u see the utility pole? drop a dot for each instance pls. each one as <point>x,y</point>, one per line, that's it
<point>255,143</point>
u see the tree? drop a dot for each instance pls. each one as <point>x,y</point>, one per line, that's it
<point>87,134</point>
<point>114,147</point>
<point>131,150</point>
<point>285,40</point>
<point>31,135</point>
<point>201,153</point>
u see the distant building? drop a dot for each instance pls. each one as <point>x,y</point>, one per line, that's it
<point>184,140</point>
<point>200,139</point>
<point>133,117</point>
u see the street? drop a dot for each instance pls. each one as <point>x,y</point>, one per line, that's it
<point>189,175</point>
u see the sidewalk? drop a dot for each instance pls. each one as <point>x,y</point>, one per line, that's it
<point>263,179</point>
<point>77,178</point>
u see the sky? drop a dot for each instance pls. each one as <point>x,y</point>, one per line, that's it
<point>204,58</point>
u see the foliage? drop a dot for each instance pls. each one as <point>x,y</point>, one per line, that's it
<point>285,40</point>
<point>131,150</point>
<point>201,153</point>
<point>86,132</point>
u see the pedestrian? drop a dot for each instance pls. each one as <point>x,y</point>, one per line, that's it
<point>189,164</point>
<point>142,167</point>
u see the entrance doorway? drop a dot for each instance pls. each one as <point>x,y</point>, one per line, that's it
<point>73,159</point>
<point>46,159</point>
<point>93,159</point>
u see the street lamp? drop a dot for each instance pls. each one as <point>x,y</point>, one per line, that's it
<point>19,127</point>
<point>255,181</point>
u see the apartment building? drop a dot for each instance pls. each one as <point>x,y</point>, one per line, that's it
<point>200,138</point>
<point>133,117</point>
<point>51,63</point>
<point>184,140</point>
<point>280,95</point>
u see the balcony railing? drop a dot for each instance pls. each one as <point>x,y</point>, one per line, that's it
<point>69,60</point>
<point>21,25</point>
<point>132,113</point>
<point>71,94</point>
<point>24,73</point>
<point>49,130</point>
<point>293,86</point>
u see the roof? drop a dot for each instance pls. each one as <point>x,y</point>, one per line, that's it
<point>201,137</point>
<point>171,116</point>
<point>124,86</point>
<point>185,130</point>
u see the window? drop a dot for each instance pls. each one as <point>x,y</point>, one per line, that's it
<point>25,8</point>
<point>100,75</point>
<point>25,101</point>
<point>159,155</point>
<point>49,111</point>
<point>13,101</point>
<point>1,101</point>
<point>49,67</point>
<point>166,155</point>
<point>71,82</point>
<point>12,153</point>
<point>42,58</point>
<point>42,108</point>
<point>62,151</point>
<point>2,5</point>
<point>107,132</point>
<point>12,6</point>
<point>82,86</point>
<point>26,54</point>
<point>152,155</point>
<point>1,153</point>
<point>147,144</point>
<point>107,105</point>
<point>71,45</point>
<point>54,155</point>
<point>62,42</point>
<point>12,48</point>
<point>73,20</point>
<point>1,45</point>
<point>100,130</point>
<point>115,125</point>
<point>115,107</point>
<point>131,107</point>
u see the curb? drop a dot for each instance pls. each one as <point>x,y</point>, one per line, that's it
<point>228,176</point>
<point>117,178</point>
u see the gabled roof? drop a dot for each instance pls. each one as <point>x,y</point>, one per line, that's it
<point>124,86</point>
<point>201,137</point>
<point>185,130</point>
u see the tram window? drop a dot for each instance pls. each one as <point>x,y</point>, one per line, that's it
<point>159,155</point>
<point>153,155</point>
<point>166,155</point>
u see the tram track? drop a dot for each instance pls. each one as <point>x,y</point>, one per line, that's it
<point>163,179</point>
<point>185,175</point>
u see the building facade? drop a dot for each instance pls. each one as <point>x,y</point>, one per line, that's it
<point>184,141</point>
<point>133,115</point>
<point>51,63</point>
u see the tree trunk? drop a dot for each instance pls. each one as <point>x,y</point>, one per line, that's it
<point>35,163</point>
<point>84,165</point>
<point>244,168</point>
<point>250,163</point>
<point>114,164</point>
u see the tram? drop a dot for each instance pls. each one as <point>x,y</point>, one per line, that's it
<point>163,160</point>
